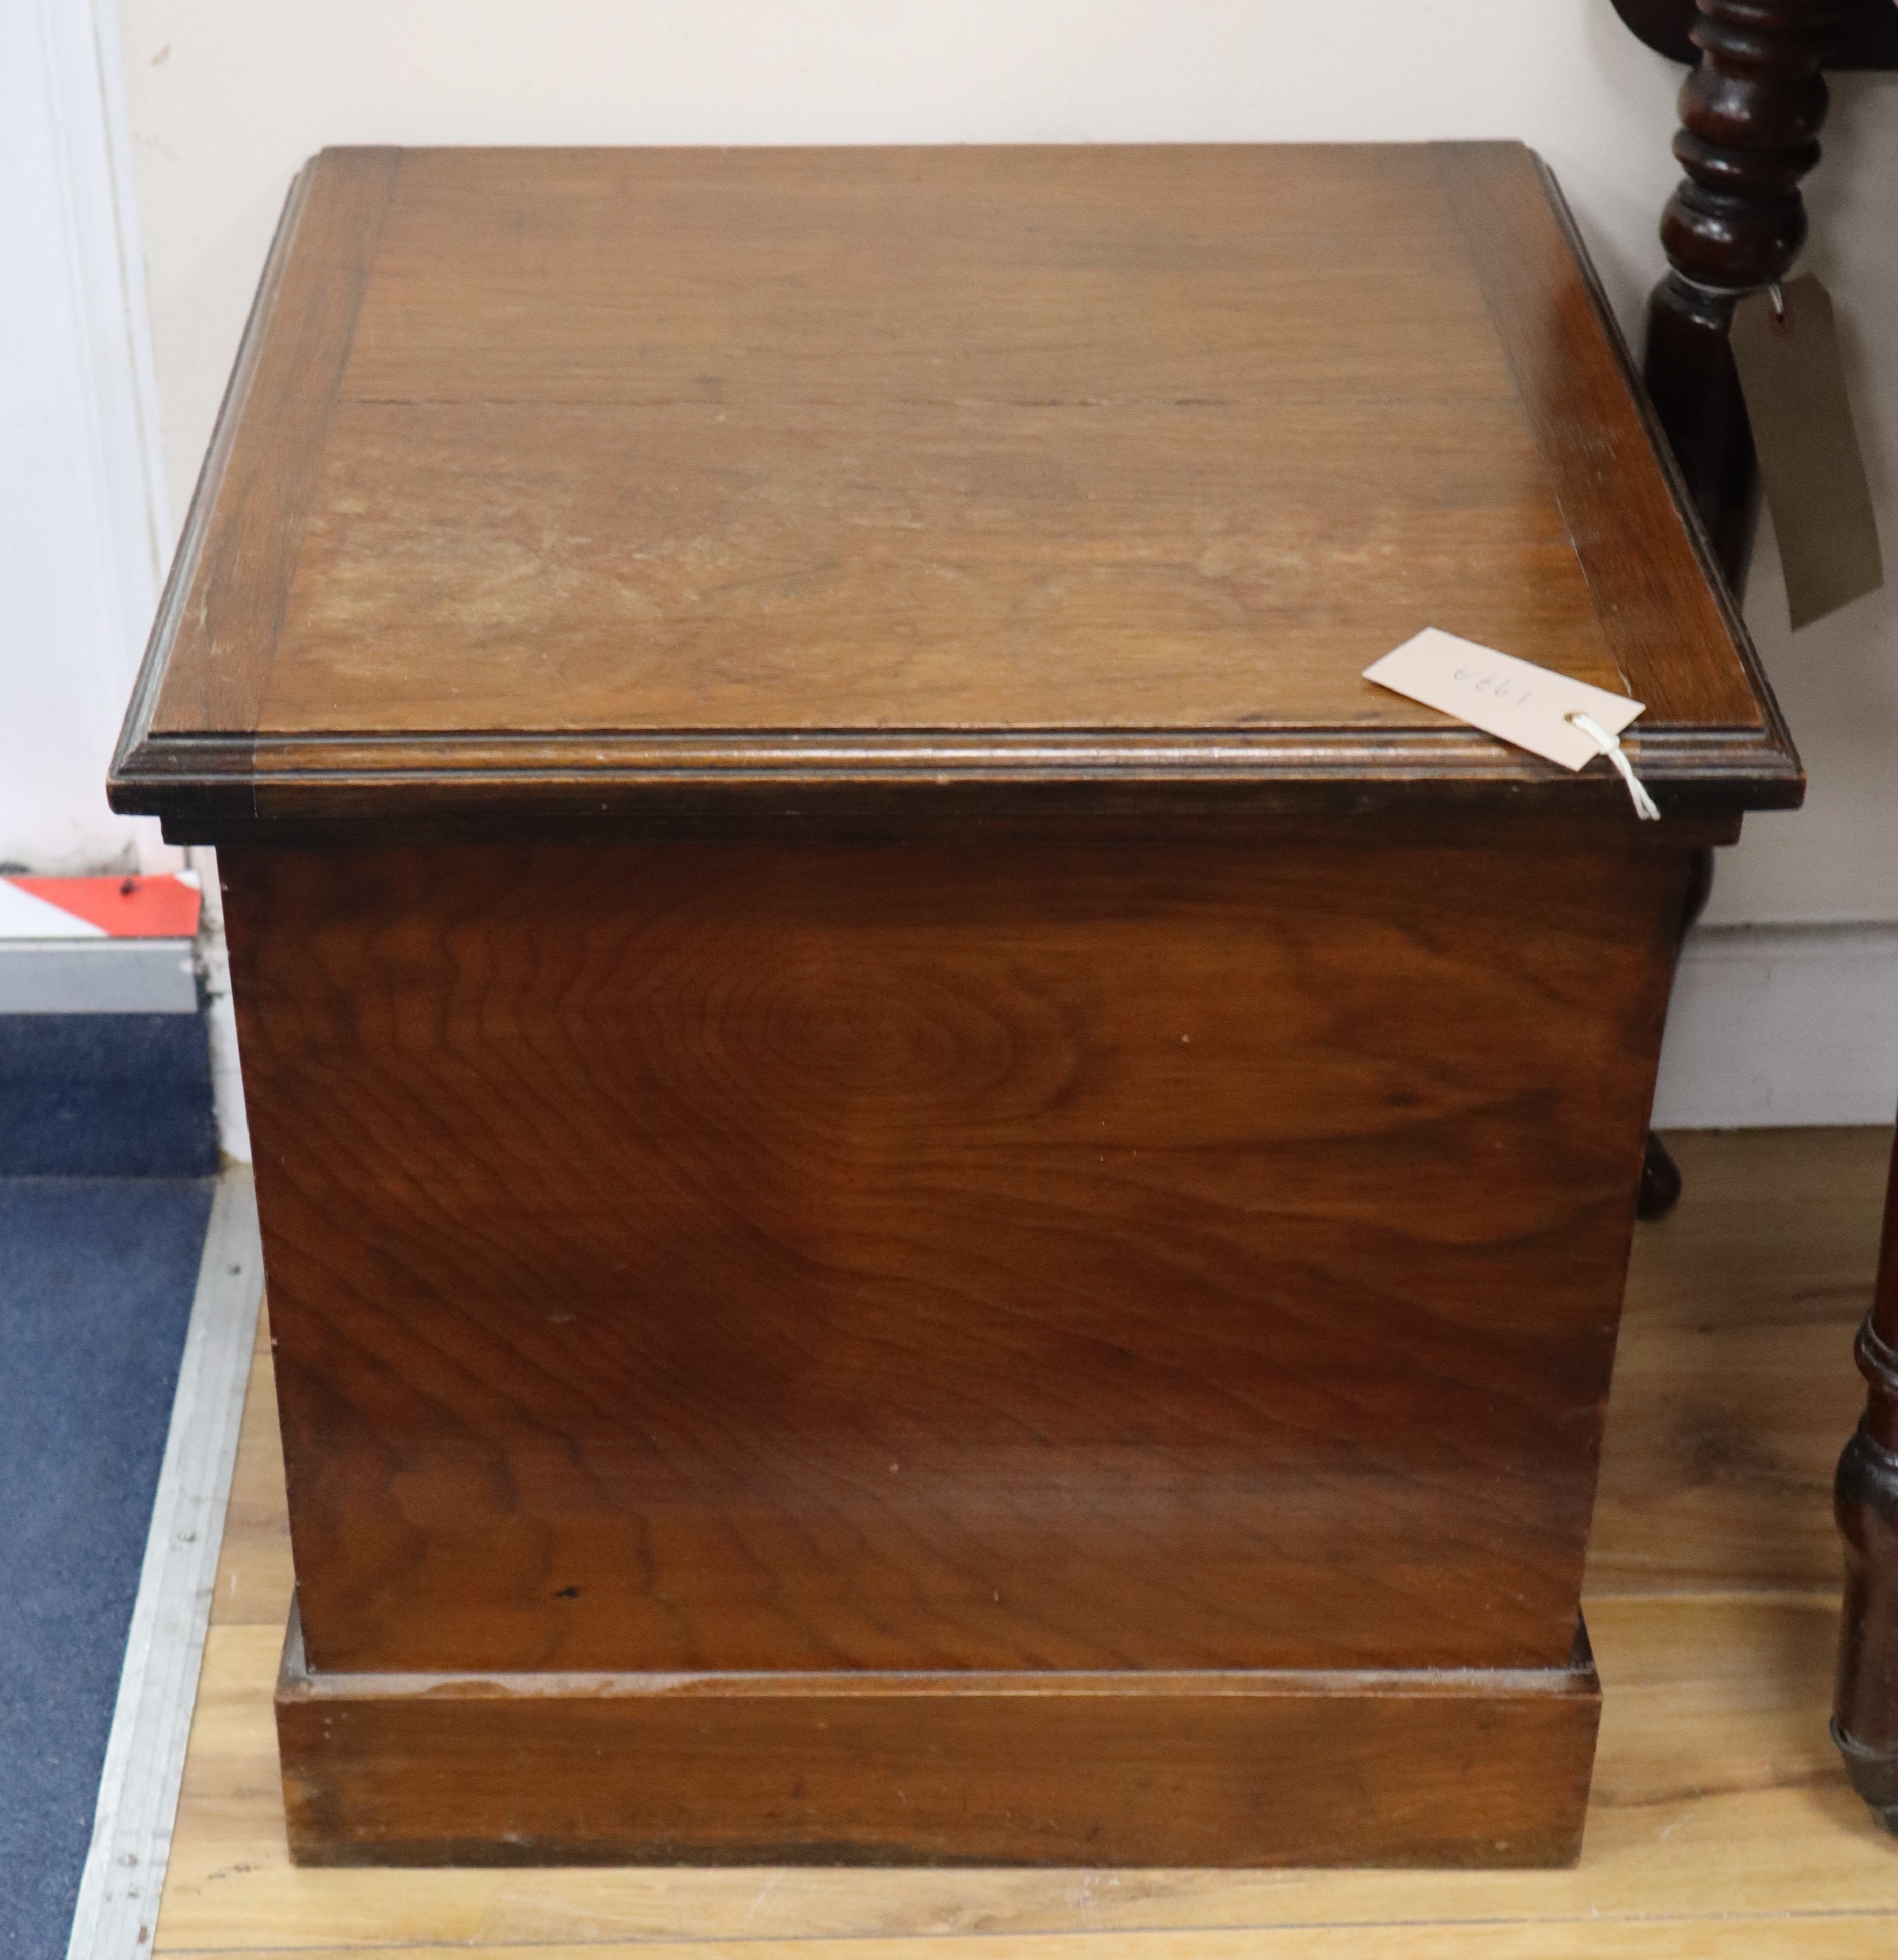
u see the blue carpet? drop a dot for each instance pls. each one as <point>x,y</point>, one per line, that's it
<point>106,1096</point>
<point>96,1281</point>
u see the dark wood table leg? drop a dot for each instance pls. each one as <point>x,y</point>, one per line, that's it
<point>1660,1181</point>
<point>1750,116</point>
<point>1864,1722</point>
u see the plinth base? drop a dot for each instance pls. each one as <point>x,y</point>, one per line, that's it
<point>1448,1767</point>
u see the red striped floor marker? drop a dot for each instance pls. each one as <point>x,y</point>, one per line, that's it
<point>166,907</point>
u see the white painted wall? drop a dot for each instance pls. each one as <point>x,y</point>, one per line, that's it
<point>229,97</point>
<point>82,532</point>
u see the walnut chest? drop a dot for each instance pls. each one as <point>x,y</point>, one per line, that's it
<point>931,1190</point>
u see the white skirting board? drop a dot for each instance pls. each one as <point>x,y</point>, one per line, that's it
<point>1780,1026</point>
<point>97,976</point>
<point>117,1908</point>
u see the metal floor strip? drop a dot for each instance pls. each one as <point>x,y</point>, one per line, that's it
<point>116,1914</point>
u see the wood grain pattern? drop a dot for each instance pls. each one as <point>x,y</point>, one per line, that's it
<point>1733,1384</point>
<point>1229,1768</point>
<point>1023,240</point>
<point>990,439</point>
<point>673,474</point>
<point>773,1267</point>
<point>866,562</point>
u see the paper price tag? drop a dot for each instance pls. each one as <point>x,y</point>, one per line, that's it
<point>1515,699</point>
<point>1567,721</point>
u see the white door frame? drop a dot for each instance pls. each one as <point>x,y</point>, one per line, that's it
<point>85,532</point>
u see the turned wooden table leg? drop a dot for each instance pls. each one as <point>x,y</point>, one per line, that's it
<point>1864,1722</point>
<point>1750,116</point>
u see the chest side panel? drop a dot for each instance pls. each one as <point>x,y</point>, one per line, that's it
<point>731,1257</point>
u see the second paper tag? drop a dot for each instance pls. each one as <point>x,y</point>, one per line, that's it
<point>1785,345</point>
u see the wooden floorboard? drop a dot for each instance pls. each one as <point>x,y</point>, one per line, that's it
<point>1735,1388</point>
<point>1720,1825</point>
<point>1838,1936</point>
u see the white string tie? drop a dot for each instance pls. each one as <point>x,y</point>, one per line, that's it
<point>1610,747</point>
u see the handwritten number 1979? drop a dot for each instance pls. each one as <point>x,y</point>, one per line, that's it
<point>1496,683</point>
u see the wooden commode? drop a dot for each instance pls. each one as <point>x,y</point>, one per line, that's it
<point>932,1192</point>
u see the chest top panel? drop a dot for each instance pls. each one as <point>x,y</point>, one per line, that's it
<point>605,469</point>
